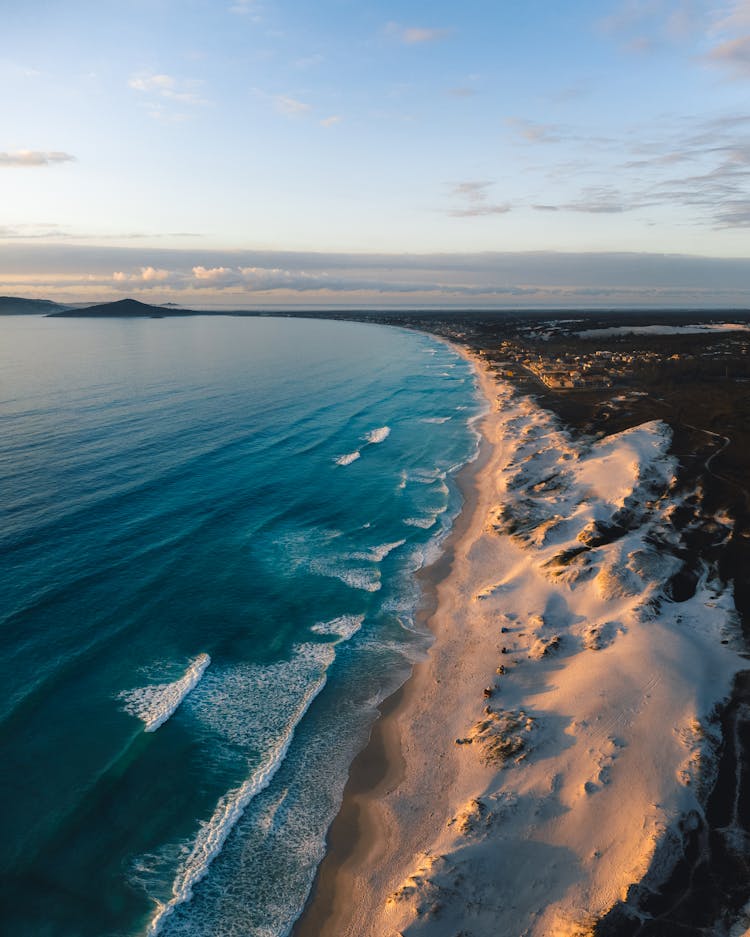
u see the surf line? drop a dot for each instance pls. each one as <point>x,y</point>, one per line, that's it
<point>153,705</point>
<point>213,833</point>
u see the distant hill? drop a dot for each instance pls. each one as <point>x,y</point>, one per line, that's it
<point>16,306</point>
<point>127,308</point>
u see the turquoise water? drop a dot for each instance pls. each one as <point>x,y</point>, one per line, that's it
<point>210,529</point>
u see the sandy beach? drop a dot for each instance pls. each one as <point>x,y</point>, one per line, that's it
<point>540,761</point>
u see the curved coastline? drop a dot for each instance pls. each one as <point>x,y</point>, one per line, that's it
<point>387,868</point>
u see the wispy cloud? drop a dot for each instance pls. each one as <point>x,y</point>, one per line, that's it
<point>734,55</point>
<point>643,26</point>
<point>331,121</point>
<point>32,158</point>
<point>416,35</point>
<point>599,202</point>
<point>289,106</point>
<point>22,232</point>
<point>56,232</point>
<point>158,83</point>
<point>733,18</point>
<point>534,132</point>
<point>159,88</point>
<point>476,198</point>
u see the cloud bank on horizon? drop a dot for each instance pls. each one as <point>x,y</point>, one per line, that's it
<point>276,152</point>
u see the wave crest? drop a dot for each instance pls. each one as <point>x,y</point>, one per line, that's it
<point>153,705</point>
<point>348,458</point>
<point>378,435</point>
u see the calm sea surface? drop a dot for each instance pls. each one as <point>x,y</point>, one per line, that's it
<point>208,539</point>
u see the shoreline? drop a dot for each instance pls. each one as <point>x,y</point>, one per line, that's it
<point>352,837</point>
<point>558,802</point>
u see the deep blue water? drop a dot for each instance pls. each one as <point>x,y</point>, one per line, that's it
<point>203,596</point>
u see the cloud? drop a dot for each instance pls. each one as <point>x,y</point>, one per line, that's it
<point>734,213</point>
<point>475,195</point>
<point>330,121</point>
<point>477,211</point>
<point>150,275</point>
<point>734,18</point>
<point>474,191</point>
<point>534,132</point>
<point>29,158</point>
<point>169,88</point>
<point>644,26</point>
<point>216,277</point>
<point>493,279</point>
<point>158,83</point>
<point>290,107</point>
<point>416,35</point>
<point>461,92</point>
<point>733,54</point>
<point>33,231</point>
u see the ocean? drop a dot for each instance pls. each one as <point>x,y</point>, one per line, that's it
<point>210,533</point>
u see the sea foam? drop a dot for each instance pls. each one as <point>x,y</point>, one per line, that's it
<point>378,435</point>
<point>303,677</point>
<point>153,705</point>
<point>356,577</point>
<point>348,458</point>
<point>376,554</point>
<point>424,522</point>
<point>343,627</point>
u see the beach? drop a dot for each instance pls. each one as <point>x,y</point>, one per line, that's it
<point>558,741</point>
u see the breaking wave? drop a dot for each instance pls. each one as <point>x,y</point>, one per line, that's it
<point>376,554</point>
<point>153,705</point>
<point>348,458</point>
<point>306,672</point>
<point>378,435</point>
<point>343,627</point>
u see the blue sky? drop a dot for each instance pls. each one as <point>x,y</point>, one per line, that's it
<point>232,152</point>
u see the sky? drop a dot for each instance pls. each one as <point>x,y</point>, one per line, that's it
<point>492,153</point>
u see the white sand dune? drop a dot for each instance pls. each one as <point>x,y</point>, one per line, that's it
<point>564,720</point>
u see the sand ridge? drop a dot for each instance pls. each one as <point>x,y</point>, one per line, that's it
<point>563,723</point>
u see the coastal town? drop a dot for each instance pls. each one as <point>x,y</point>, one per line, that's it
<point>598,368</point>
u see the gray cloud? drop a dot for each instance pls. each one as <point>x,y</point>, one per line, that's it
<point>492,279</point>
<point>477,211</point>
<point>475,195</point>
<point>30,158</point>
<point>699,167</point>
